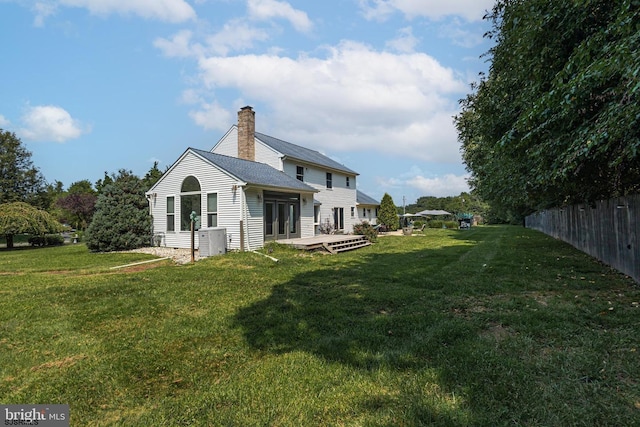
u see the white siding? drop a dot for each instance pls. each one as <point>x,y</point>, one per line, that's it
<point>368,215</point>
<point>339,196</point>
<point>212,180</point>
<point>228,145</point>
<point>253,214</point>
<point>307,227</point>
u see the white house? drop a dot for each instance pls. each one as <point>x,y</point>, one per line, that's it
<point>258,188</point>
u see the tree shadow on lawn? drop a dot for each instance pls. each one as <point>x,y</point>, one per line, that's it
<point>486,320</point>
<point>395,312</point>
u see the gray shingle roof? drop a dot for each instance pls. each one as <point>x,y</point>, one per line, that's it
<point>306,155</point>
<point>363,199</point>
<point>254,172</point>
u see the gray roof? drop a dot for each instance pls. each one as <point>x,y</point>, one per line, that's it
<point>254,173</point>
<point>363,199</point>
<point>306,155</point>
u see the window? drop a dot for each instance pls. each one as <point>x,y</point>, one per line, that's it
<point>190,184</point>
<point>353,210</point>
<point>316,214</point>
<point>300,173</point>
<point>329,180</point>
<point>190,201</point>
<point>338,218</point>
<point>347,182</point>
<point>364,212</point>
<point>171,213</point>
<point>212,210</point>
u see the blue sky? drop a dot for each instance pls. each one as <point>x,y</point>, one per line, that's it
<point>94,86</point>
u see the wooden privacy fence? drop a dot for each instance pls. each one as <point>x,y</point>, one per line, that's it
<point>607,230</point>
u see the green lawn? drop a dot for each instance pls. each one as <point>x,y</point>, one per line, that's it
<point>491,326</point>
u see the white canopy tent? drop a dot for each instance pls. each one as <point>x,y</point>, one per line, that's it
<point>433,212</point>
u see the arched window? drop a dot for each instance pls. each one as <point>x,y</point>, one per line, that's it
<point>190,201</point>
<point>190,184</point>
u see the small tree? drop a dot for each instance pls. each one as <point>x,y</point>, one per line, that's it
<point>121,220</point>
<point>388,213</point>
<point>20,217</point>
<point>78,204</point>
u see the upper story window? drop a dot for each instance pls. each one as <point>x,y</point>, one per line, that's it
<point>347,182</point>
<point>329,180</point>
<point>300,173</point>
<point>190,184</point>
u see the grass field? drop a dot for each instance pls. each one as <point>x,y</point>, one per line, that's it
<point>486,327</point>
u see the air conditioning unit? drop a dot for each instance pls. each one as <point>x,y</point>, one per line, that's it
<point>212,241</point>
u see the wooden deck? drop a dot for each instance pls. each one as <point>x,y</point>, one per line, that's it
<point>333,243</point>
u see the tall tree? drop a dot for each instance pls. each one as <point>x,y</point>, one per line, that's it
<point>20,180</point>
<point>557,119</point>
<point>121,220</point>
<point>387,214</point>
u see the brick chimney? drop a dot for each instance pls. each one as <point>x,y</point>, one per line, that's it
<point>247,134</point>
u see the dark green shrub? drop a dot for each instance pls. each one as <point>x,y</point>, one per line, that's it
<point>365,229</point>
<point>121,220</point>
<point>46,240</point>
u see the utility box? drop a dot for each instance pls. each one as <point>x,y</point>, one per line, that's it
<point>212,241</point>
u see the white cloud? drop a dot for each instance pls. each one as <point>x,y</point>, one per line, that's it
<point>179,45</point>
<point>163,10</point>
<point>470,10</point>
<point>42,11</point>
<point>353,99</point>
<point>440,186</point>
<point>4,122</point>
<point>269,9</point>
<point>406,42</point>
<point>50,123</point>
<point>234,36</point>
<point>211,116</point>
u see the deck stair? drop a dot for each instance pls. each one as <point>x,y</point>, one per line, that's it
<point>332,243</point>
<point>346,244</point>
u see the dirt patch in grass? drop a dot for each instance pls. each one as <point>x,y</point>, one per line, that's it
<point>496,331</point>
<point>60,363</point>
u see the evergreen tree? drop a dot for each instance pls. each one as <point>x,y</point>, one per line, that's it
<point>152,176</point>
<point>388,213</point>
<point>121,220</point>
